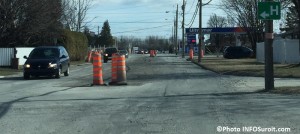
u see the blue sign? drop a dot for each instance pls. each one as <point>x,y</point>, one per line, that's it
<point>215,30</point>
<point>191,38</point>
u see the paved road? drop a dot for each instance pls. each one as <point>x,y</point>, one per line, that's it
<point>165,94</point>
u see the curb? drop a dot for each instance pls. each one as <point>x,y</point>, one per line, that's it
<point>205,68</point>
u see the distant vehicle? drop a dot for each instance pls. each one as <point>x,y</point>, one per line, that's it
<point>124,52</point>
<point>47,61</point>
<point>135,49</point>
<point>146,51</point>
<point>140,52</point>
<point>235,52</point>
<point>107,55</point>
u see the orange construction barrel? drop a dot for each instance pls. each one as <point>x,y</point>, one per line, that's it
<point>191,54</point>
<point>97,69</point>
<point>118,70</point>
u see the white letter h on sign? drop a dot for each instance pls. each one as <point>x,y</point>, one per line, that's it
<point>276,10</point>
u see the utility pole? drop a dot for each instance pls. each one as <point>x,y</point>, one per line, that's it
<point>174,39</point>
<point>173,35</point>
<point>269,71</point>
<point>183,39</point>
<point>200,32</point>
<point>79,17</point>
<point>176,31</point>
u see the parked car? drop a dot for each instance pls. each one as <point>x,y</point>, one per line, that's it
<point>140,52</point>
<point>234,52</point>
<point>47,61</point>
<point>225,47</point>
<point>124,52</point>
<point>107,55</point>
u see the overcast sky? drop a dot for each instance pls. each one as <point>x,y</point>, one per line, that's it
<point>141,18</point>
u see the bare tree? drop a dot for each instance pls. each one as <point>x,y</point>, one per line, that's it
<point>217,22</point>
<point>230,21</point>
<point>75,13</point>
<point>244,13</point>
<point>28,22</point>
<point>10,11</point>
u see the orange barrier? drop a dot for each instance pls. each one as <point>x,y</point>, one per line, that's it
<point>121,70</point>
<point>114,65</point>
<point>97,69</point>
<point>89,57</point>
<point>191,54</point>
<point>118,70</point>
<point>152,53</point>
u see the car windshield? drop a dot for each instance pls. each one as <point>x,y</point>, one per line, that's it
<point>123,51</point>
<point>44,53</point>
<point>111,50</point>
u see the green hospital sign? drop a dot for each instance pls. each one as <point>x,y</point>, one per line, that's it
<point>269,10</point>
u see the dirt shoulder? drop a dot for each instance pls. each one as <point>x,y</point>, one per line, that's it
<point>250,67</point>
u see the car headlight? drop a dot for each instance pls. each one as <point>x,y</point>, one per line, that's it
<point>27,66</point>
<point>106,54</point>
<point>52,65</point>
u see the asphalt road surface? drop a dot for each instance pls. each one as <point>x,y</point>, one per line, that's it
<point>165,94</point>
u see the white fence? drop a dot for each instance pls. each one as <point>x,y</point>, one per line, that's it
<point>6,54</point>
<point>284,51</point>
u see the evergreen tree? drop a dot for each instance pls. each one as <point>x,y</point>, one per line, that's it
<point>91,37</point>
<point>105,38</point>
<point>292,18</point>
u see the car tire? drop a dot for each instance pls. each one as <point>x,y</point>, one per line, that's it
<point>57,75</point>
<point>67,72</point>
<point>26,76</point>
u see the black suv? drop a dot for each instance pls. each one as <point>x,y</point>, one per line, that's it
<point>47,61</point>
<point>107,55</point>
<point>234,52</point>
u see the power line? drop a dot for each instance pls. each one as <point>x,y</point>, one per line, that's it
<point>147,5</point>
<point>126,13</point>
<point>194,16</point>
<point>191,6</point>
<point>141,29</point>
<point>132,22</point>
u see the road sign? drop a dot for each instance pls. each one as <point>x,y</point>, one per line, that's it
<point>269,11</point>
<point>191,38</point>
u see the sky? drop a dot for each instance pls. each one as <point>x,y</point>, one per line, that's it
<point>142,18</point>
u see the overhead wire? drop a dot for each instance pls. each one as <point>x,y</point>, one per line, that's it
<point>132,22</point>
<point>140,29</point>
<point>191,6</point>
<point>146,5</point>
<point>194,16</point>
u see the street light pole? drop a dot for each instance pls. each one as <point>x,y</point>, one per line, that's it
<point>200,32</point>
